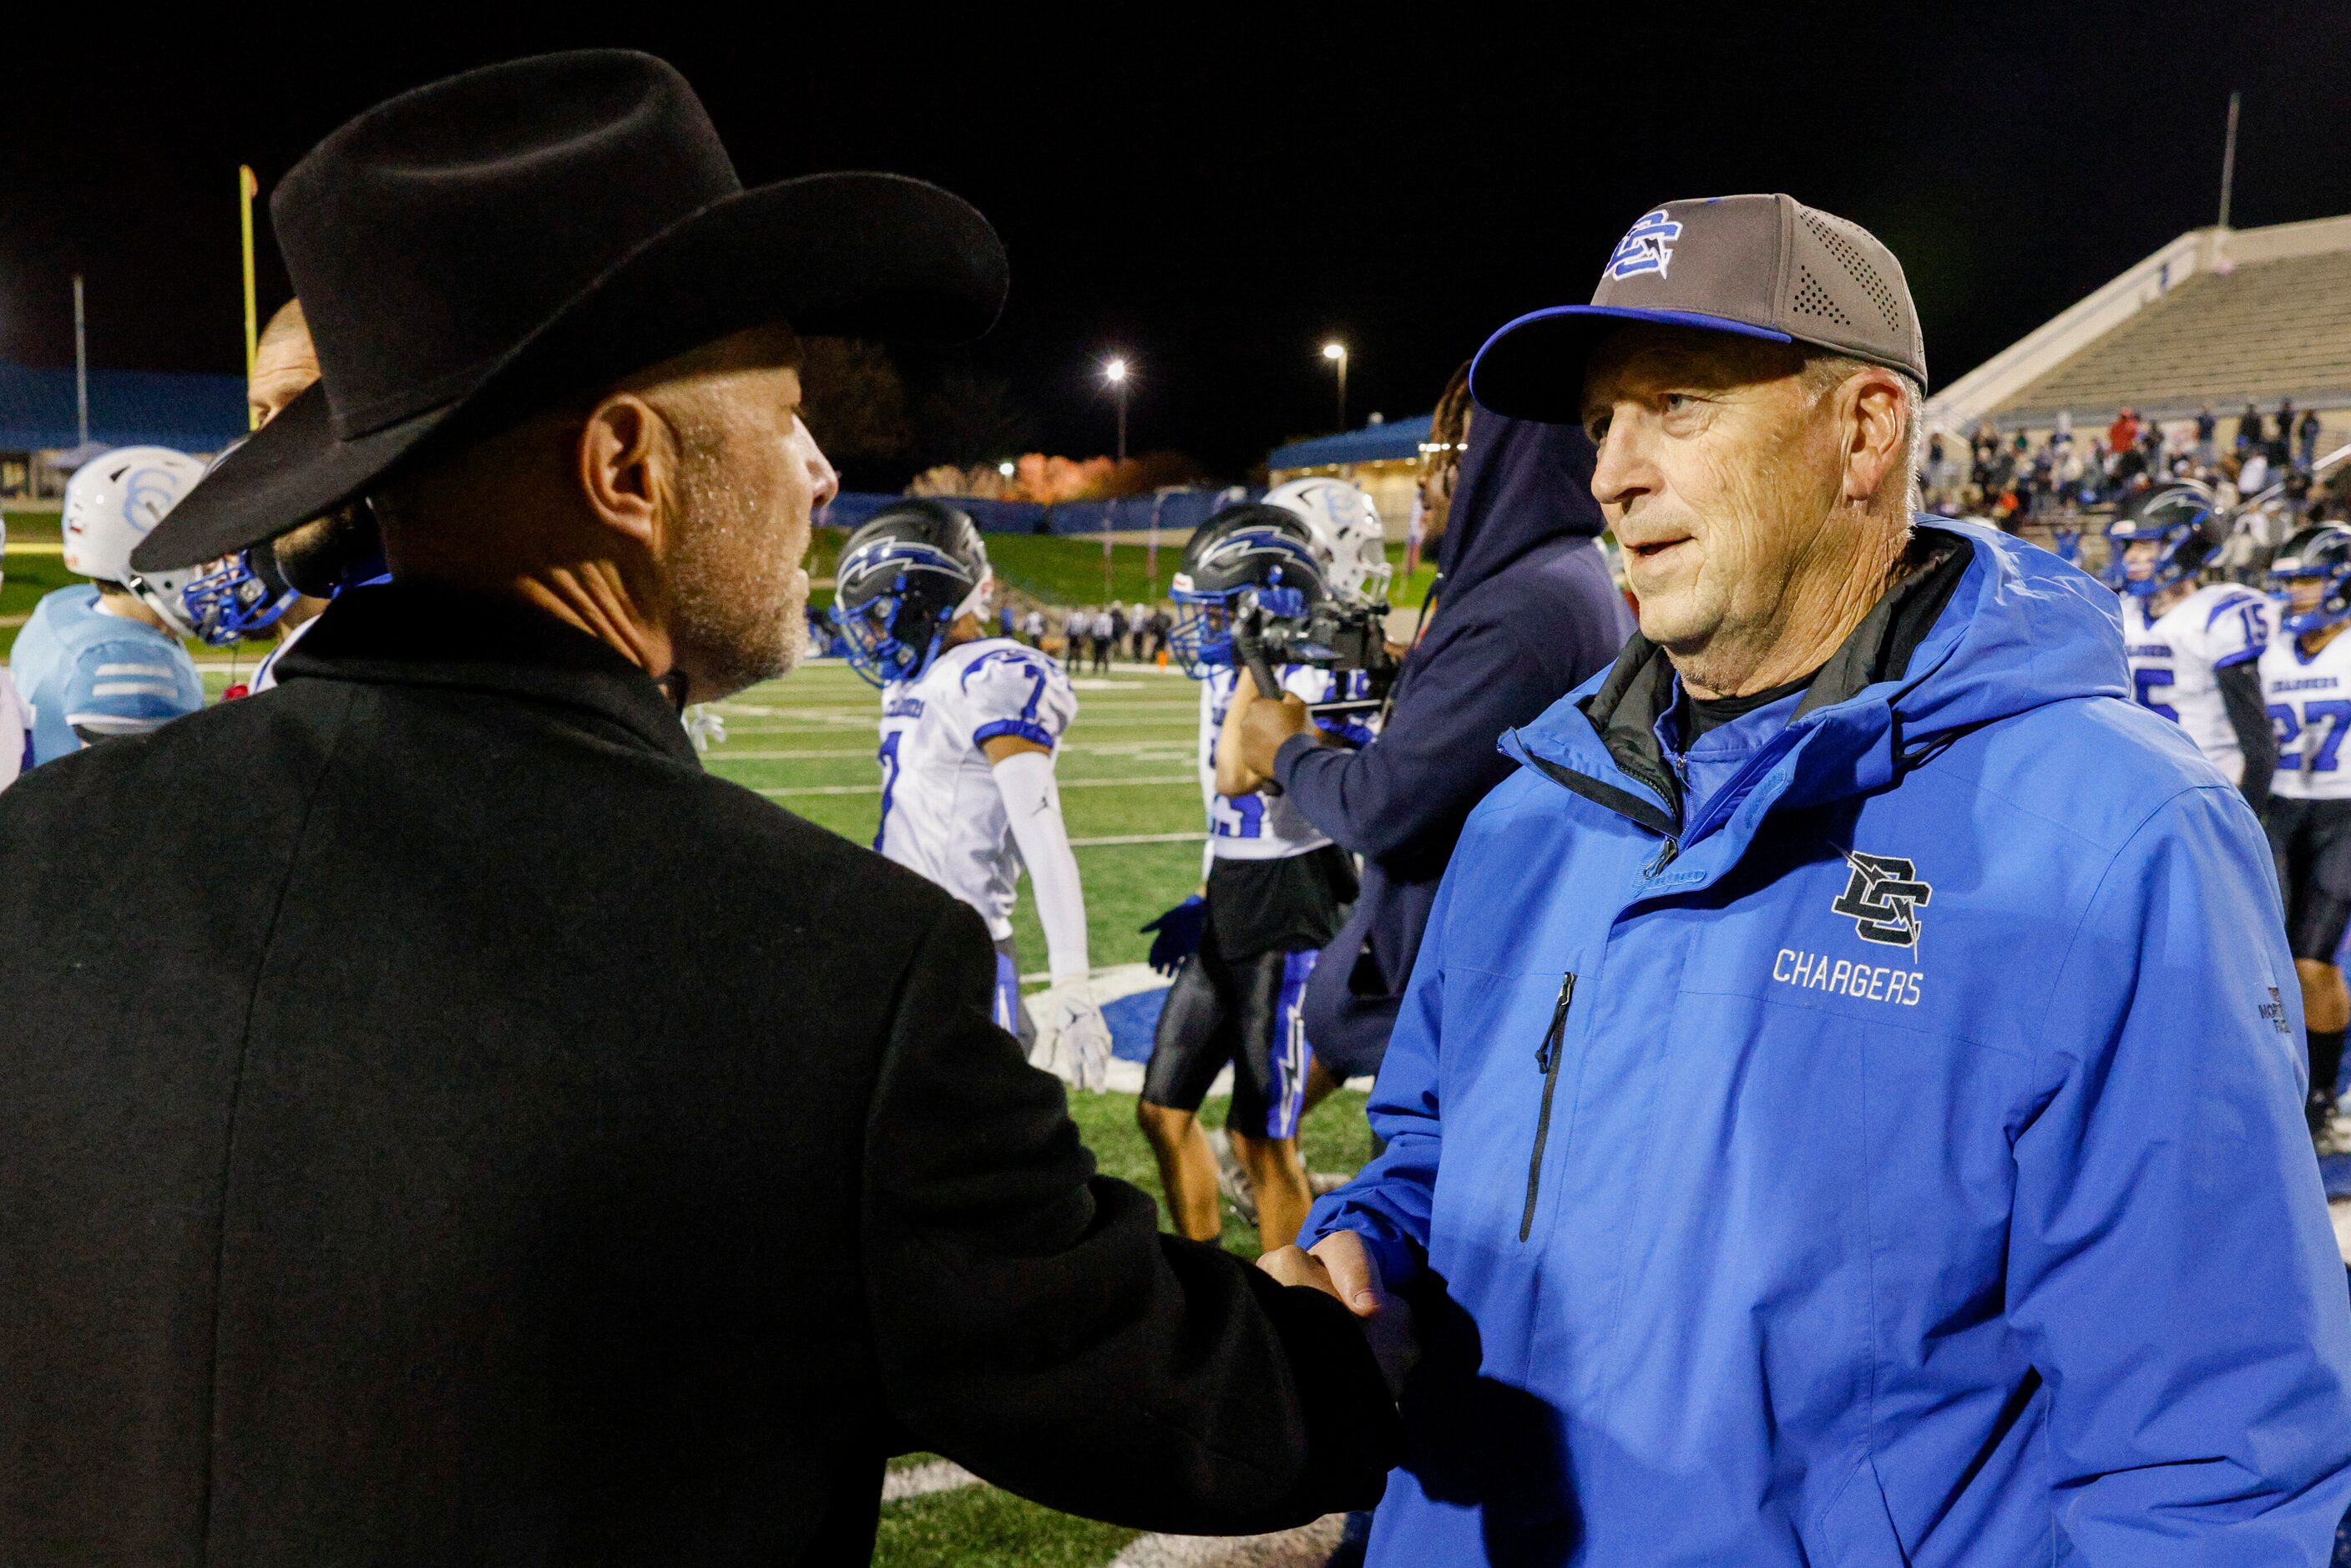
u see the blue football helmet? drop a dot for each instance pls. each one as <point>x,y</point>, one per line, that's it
<point>2322,552</point>
<point>1246,554</point>
<point>238,595</point>
<point>906,577</point>
<point>2185,523</point>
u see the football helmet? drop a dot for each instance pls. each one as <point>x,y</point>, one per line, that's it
<point>1251,553</point>
<point>238,595</point>
<point>1349,537</point>
<point>906,577</point>
<point>2322,553</point>
<point>2185,523</point>
<point>112,502</point>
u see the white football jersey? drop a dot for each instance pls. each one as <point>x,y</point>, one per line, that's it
<point>941,812</point>
<point>2309,699</point>
<point>1260,827</point>
<point>2175,660</point>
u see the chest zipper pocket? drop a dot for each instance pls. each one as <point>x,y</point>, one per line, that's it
<point>1547,1057</point>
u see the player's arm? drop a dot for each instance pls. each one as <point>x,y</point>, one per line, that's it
<point>120,688</point>
<point>1024,777</point>
<point>2241,696</point>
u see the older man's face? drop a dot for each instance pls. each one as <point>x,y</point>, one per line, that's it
<point>750,477</point>
<point>1715,473</point>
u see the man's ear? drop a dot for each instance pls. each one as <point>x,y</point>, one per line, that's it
<point>626,457</point>
<point>1875,400</point>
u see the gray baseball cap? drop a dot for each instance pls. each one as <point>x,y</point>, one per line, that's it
<point>1762,266</point>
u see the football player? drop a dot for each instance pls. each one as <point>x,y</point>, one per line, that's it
<point>1276,893</point>
<point>2306,678</point>
<point>970,725</point>
<point>104,659</point>
<point>2194,652</point>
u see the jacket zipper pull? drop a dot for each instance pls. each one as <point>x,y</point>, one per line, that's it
<point>1547,1060</point>
<point>1665,854</point>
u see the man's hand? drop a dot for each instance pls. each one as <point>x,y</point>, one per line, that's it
<point>1253,730</point>
<point>1341,1267</point>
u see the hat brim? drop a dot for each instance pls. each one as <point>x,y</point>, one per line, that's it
<point>848,254</point>
<point>1533,367</point>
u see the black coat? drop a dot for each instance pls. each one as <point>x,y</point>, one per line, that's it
<point>433,1130</point>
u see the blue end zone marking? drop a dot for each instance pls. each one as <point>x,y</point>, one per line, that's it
<point>1133,1021</point>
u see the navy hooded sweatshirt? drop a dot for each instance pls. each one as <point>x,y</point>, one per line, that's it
<point>1525,612</point>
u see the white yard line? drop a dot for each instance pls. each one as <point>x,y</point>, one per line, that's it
<point>1304,1547</point>
<point>1117,841</point>
<point>922,1480</point>
<point>798,790</point>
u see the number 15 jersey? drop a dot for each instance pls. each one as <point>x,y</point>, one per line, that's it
<point>2309,698</point>
<point>2176,659</point>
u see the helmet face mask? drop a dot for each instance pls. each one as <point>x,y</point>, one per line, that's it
<point>231,599</point>
<point>2183,523</point>
<point>1245,555</point>
<point>903,580</point>
<point>2317,562</point>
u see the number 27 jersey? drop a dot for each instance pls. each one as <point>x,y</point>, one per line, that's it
<point>2309,698</point>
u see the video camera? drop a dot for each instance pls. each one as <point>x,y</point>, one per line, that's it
<point>1275,626</point>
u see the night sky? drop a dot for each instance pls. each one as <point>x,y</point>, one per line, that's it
<point>1216,198</point>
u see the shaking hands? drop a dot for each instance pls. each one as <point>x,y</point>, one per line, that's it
<point>1341,1267</point>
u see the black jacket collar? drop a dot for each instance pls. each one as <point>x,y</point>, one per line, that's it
<point>406,635</point>
<point>1640,686</point>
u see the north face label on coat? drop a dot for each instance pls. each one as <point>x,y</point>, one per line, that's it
<point>1883,896</point>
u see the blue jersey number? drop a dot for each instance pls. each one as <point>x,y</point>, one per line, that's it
<point>889,756</point>
<point>2148,682</point>
<point>2333,711</point>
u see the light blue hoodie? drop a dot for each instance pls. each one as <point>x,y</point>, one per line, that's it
<point>1774,1202</point>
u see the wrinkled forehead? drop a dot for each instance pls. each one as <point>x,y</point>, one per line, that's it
<point>1646,357</point>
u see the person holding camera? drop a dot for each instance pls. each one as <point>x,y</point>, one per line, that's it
<point>1522,610</point>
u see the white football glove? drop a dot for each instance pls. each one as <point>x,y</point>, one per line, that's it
<point>1080,1039</point>
<point>704,725</point>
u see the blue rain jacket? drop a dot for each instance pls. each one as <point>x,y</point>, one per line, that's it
<point>1894,1158</point>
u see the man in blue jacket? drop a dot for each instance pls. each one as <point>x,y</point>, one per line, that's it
<point>1847,1108</point>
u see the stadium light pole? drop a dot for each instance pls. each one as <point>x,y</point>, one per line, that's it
<point>81,371</point>
<point>1336,353</point>
<point>1114,373</point>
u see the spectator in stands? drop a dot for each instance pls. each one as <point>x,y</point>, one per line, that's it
<point>2249,428</point>
<point>2123,433</point>
<point>2306,437</point>
<point>2205,424</point>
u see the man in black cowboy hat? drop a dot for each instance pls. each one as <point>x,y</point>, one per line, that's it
<point>472,1153</point>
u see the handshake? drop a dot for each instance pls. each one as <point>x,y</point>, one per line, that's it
<point>1341,1267</point>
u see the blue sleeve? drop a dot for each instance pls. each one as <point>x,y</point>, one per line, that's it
<point>1435,758</point>
<point>2172,1273</point>
<point>128,687</point>
<point>1389,1202</point>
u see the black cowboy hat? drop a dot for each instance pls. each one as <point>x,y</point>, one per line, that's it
<point>479,249</point>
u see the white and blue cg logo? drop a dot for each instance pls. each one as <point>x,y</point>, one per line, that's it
<point>1644,247</point>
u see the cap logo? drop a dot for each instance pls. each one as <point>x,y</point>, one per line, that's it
<point>1644,247</point>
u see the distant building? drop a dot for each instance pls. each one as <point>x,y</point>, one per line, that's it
<point>2223,316</point>
<point>1383,459</point>
<point>127,408</point>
